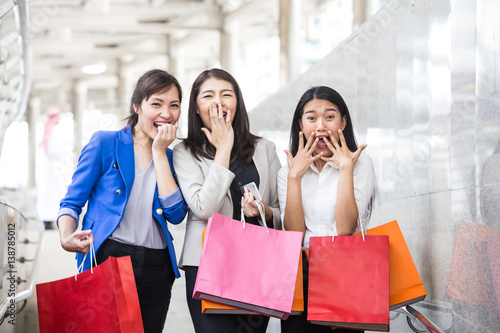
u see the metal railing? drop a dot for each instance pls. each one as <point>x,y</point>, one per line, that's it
<point>15,62</point>
<point>413,316</point>
<point>20,236</point>
<point>20,250</point>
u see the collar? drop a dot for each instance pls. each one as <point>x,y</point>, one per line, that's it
<point>328,164</point>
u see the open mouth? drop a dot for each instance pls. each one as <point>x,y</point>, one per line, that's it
<point>322,142</point>
<point>158,124</point>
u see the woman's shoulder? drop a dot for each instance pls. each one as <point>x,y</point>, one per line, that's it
<point>182,154</point>
<point>268,145</point>
<point>364,163</point>
<point>180,147</point>
<point>365,159</point>
<point>283,171</point>
<point>263,141</point>
<point>106,134</point>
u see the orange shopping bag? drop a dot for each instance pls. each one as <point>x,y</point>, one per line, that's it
<point>405,285</point>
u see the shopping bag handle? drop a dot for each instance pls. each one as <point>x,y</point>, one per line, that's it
<point>361,223</point>
<point>260,206</point>
<point>92,256</point>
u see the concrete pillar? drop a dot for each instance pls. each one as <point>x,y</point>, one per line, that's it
<point>121,88</point>
<point>229,45</point>
<point>171,55</point>
<point>359,10</point>
<point>80,91</point>
<point>32,116</point>
<point>176,65</point>
<point>289,40</point>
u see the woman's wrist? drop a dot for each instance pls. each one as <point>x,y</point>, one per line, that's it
<point>223,156</point>
<point>294,177</point>
<point>268,212</point>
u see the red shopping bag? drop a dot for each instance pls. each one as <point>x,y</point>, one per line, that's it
<point>405,285</point>
<point>248,267</point>
<point>102,300</point>
<point>349,282</point>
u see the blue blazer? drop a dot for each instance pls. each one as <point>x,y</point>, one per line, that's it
<point>103,180</point>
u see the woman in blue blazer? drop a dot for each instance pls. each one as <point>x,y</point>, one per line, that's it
<point>127,180</point>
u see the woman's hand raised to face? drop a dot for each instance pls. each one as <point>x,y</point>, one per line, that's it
<point>304,157</point>
<point>166,135</point>
<point>221,135</point>
<point>342,156</point>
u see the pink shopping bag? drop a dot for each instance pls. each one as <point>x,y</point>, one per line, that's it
<point>248,266</point>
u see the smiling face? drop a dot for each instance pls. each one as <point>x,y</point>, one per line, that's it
<point>215,91</point>
<point>319,116</point>
<point>159,109</point>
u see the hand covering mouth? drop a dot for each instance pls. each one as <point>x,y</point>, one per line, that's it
<point>158,124</point>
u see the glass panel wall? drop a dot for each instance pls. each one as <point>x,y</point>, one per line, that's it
<point>422,80</point>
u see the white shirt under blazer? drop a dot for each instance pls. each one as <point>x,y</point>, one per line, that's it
<point>319,195</point>
<point>205,187</point>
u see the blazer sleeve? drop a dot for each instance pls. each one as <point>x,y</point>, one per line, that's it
<point>282,190</point>
<point>174,206</point>
<point>87,173</point>
<point>203,193</point>
<point>274,167</point>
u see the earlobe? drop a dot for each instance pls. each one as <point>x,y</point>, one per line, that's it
<point>136,109</point>
<point>344,123</point>
<point>300,125</point>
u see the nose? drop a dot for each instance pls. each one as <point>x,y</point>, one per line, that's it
<point>320,127</point>
<point>218,100</point>
<point>165,113</point>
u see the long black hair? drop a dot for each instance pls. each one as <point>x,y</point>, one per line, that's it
<point>328,94</point>
<point>155,81</point>
<point>197,142</point>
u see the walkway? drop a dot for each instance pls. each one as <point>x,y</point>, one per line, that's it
<point>57,264</point>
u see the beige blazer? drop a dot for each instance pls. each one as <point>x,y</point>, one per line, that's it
<point>205,187</point>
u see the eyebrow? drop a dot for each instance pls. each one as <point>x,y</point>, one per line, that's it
<point>213,91</point>
<point>327,110</point>
<point>161,100</point>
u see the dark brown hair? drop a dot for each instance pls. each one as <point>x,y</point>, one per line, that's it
<point>155,81</point>
<point>197,142</point>
<point>328,94</point>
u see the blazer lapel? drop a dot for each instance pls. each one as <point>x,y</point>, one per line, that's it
<point>125,158</point>
<point>260,160</point>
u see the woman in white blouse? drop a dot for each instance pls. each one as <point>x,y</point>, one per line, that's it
<point>328,183</point>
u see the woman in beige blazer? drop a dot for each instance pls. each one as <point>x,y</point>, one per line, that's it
<point>217,158</point>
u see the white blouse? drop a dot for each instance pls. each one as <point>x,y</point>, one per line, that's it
<point>319,195</point>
